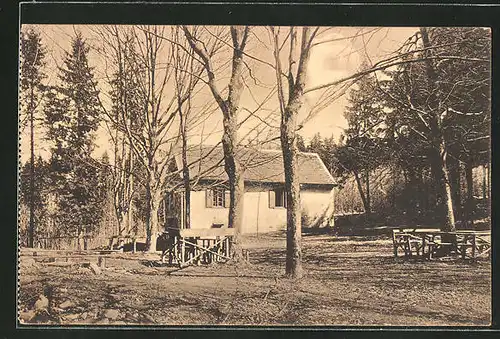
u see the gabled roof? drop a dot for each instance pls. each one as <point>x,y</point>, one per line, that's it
<point>258,165</point>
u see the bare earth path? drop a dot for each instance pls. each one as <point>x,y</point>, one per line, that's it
<point>349,281</point>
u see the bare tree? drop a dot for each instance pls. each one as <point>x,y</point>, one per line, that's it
<point>229,107</point>
<point>440,149</point>
<point>290,105</point>
<point>151,134</point>
<point>187,75</point>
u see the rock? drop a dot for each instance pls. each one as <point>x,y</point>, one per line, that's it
<point>57,309</point>
<point>42,303</point>
<point>148,318</point>
<point>71,316</point>
<point>83,270</point>
<point>84,315</point>
<point>29,263</point>
<point>103,321</point>
<point>42,316</point>
<point>115,296</point>
<point>423,309</point>
<point>67,304</point>
<point>95,269</point>
<point>26,316</point>
<point>112,314</point>
<point>119,322</point>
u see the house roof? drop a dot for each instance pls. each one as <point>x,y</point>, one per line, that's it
<point>258,165</point>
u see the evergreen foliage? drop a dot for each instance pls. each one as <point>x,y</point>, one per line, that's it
<point>72,116</point>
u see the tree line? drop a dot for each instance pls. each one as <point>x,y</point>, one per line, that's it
<point>427,122</point>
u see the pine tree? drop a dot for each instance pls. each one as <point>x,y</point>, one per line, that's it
<point>34,191</point>
<point>72,117</point>
<point>31,88</point>
<point>363,150</point>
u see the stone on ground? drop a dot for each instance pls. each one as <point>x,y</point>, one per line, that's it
<point>42,303</point>
<point>66,304</point>
<point>83,270</point>
<point>112,314</point>
<point>27,315</point>
<point>71,316</point>
<point>95,269</point>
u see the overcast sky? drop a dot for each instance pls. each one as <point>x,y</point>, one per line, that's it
<point>328,62</point>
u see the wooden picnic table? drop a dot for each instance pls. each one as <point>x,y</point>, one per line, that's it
<point>427,243</point>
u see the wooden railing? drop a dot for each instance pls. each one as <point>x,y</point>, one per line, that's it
<point>197,246</point>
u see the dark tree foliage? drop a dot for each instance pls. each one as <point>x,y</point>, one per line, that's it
<point>325,148</point>
<point>72,117</point>
<point>34,189</point>
<point>428,118</point>
<point>301,144</point>
<point>444,127</point>
<point>363,149</point>
<point>32,61</point>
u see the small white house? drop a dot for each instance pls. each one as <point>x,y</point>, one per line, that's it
<point>264,207</point>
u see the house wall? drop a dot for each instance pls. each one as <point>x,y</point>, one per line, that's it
<point>257,216</point>
<point>203,217</point>
<point>314,201</point>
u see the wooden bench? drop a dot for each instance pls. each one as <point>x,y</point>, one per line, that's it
<point>427,243</point>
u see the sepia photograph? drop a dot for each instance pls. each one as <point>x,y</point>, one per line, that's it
<point>240,175</point>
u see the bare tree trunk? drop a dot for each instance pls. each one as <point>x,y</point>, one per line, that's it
<point>469,205</point>
<point>292,188</point>
<point>229,108</point>
<point>368,207</point>
<point>153,199</point>
<point>440,167</point>
<point>31,228</point>
<point>297,74</point>
<point>450,215</point>
<point>185,173</point>
<point>360,190</point>
<point>454,172</point>
<point>130,194</point>
<point>236,181</point>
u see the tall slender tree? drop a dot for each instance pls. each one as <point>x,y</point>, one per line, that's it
<point>72,116</point>
<point>229,107</point>
<point>291,99</point>
<point>31,89</point>
<point>363,138</point>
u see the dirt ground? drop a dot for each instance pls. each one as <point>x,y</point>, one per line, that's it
<point>348,281</point>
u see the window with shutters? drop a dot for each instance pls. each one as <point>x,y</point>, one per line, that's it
<point>277,198</point>
<point>217,197</point>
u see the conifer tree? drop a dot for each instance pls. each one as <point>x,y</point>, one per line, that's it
<point>31,89</point>
<point>72,117</point>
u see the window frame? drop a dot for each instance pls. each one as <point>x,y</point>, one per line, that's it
<point>217,197</point>
<point>277,198</point>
